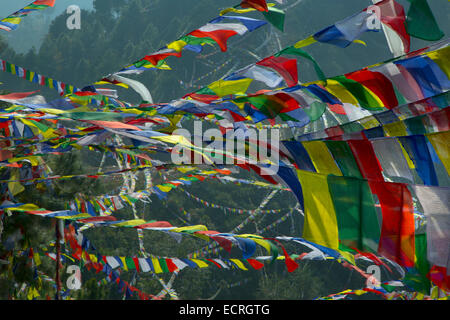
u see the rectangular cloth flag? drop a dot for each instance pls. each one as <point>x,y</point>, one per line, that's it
<point>320,225</point>
<point>420,21</point>
<point>435,202</point>
<point>321,157</point>
<point>441,144</point>
<point>398,228</point>
<point>339,212</point>
<point>344,32</point>
<point>395,166</point>
<point>387,14</point>
<point>417,149</point>
<point>220,32</point>
<point>392,16</point>
<point>356,215</point>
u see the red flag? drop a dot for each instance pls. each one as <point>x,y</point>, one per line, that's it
<point>287,68</point>
<point>255,264</point>
<point>372,257</point>
<point>366,159</point>
<point>17,95</point>
<point>397,230</point>
<point>155,58</point>
<point>136,263</point>
<point>50,3</point>
<point>219,36</point>
<point>170,265</point>
<point>259,5</point>
<point>291,265</point>
<point>378,83</point>
<point>157,224</point>
<point>393,16</point>
<point>439,276</point>
<point>205,98</point>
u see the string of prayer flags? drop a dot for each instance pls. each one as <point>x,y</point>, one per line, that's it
<point>35,77</point>
<point>272,14</point>
<point>12,22</point>
<point>240,211</point>
<point>423,117</point>
<point>389,13</point>
<point>214,32</point>
<point>357,95</point>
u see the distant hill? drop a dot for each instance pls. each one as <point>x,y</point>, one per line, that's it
<point>34,28</point>
<point>115,33</point>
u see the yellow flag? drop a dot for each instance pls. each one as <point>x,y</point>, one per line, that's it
<point>156,265</point>
<point>15,187</point>
<point>258,239</point>
<point>177,45</point>
<point>25,207</point>
<point>348,256</point>
<point>441,144</point>
<point>47,133</point>
<point>32,293</point>
<point>321,157</point>
<point>369,122</point>
<point>359,292</point>
<point>164,188</point>
<point>227,87</point>
<point>198,227</point>
<point>37,259</point>
<point>93,258</point>
<point>320,225</point>
<point>200,263</point>
<point>13,20</point>
<point>395,129</point>
<point>440,57</point>
<point>130,223</point>
<point>239,264</point>
<point>34,160</point>
<point>340,92</point>
<point>185,169</point>
<point>78,216</point>
<point>124,263</point>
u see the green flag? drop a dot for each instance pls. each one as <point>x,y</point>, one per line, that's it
<point>275,17</point>
<point>299,52</point>
<point>356,216</point>
<point>361,93</point>
<point>420,21</point>
<point>344,158</point>
<point>416,277</point>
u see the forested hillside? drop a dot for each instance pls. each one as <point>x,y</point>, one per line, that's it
<point>115,33</point>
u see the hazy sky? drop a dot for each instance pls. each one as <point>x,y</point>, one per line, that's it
<point>20,39</point>
<point>9,6</point>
